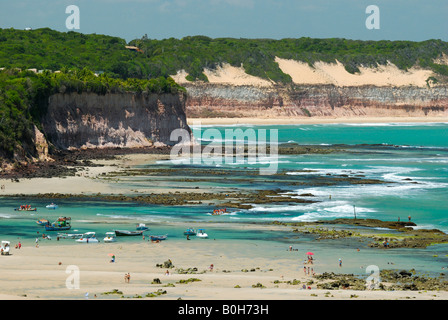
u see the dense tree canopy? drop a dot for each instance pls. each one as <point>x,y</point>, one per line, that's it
<point>53,50</point>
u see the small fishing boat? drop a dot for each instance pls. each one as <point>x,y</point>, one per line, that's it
<point>142,226</point>
<point>190,232</point>
<point>63,223</point>
<point>52,206</point>
<point>43,222</point>
<point>218,212</point>
<point>25,208</point>
<point>201,234</point>
<point>159,238</point>
<point>110,237</point>
<point>88,237</point>
<point>122,233</point>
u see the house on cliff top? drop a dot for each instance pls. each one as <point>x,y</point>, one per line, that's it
<point>132,48</point>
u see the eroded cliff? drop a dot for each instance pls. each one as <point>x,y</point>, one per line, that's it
<point>223,100</point>
<point>127,120</point>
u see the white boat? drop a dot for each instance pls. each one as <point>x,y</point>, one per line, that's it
<point>88,237</point>
<point>70,235</point>
<point>201,234</point>
<point>110,237</point>
<point>5,246</point>
<point>52,206</point>
<point>142,226</point>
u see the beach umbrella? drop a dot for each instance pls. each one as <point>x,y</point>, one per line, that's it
<point>309,253</point>
<point>110,254</point>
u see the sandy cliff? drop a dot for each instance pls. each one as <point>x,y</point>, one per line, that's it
<point>321,90</point>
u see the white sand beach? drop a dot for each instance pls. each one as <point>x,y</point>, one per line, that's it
<point>43,273</point>
<point>86,181</point>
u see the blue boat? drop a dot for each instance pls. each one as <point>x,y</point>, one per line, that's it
<point>61,224</point>
<point>43,222</point>
<point>190,232</point>
<point>158,238</point>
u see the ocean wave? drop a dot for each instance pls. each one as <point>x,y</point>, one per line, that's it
<point>276,209</point>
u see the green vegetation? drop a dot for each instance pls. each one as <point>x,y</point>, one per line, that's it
<point>49,49</point>
<point>182,281</point>
<point>102,64</point>
<point>24,97</point>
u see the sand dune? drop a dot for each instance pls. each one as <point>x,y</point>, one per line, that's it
<point>319,73</point>
<point>335,73</point>
<point>226,74</point>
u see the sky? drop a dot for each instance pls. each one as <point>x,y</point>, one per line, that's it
<point>414,20</point>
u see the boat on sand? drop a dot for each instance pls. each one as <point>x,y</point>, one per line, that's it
<point>5,247</point>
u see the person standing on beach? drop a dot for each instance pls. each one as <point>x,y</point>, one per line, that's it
<point>409,218</point>
<point>340,262</point>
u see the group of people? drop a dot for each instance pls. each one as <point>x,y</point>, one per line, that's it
<point>127,277</point>
<point>219,211</point>
<point>25,207</point>
<point>307,271</point>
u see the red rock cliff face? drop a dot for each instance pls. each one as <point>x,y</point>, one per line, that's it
<point>219,100</point>
<point>89,120</point>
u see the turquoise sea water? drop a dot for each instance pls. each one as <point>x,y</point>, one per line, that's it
<point>412,158</point>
